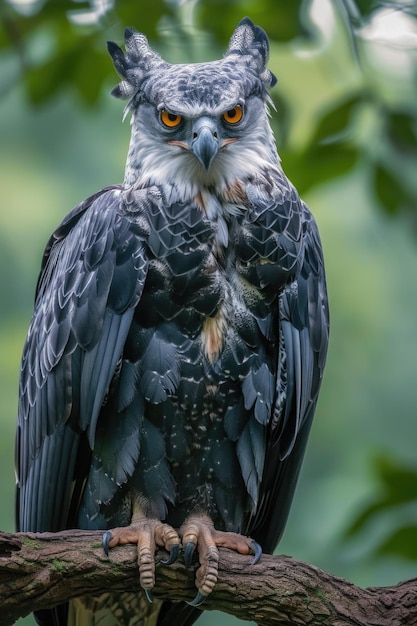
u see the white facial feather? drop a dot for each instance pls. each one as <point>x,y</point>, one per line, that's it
<point>190,164</point>
<point>153,161</point>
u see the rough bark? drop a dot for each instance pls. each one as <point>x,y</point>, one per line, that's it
<point>42,570</point>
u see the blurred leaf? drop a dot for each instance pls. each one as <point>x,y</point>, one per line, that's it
<point>15,27</point>
<point>143,16</point>
<point>319,164</point>
<point>76,61</point>
<point>336,120</point>
<point>388,188</point>
<point>45,80</point>
<point>399,481</point>
<point>402,131</point>
<point>398,485</point>
<point>328,154</point>
<point>282,121</point>
<point>403,543</point>
<point>363,518</point>
<point>365,6</point>
<point>282,20</point>
<point>90,72</point>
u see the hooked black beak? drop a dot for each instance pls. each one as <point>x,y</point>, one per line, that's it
<point>205,141</point>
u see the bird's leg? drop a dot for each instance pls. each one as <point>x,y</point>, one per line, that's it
<point>198,532</point>
<point>147,533</point>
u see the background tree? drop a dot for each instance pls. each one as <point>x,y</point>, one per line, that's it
<point>346,125</point>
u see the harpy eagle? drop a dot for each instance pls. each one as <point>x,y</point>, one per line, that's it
<point>174,359</point>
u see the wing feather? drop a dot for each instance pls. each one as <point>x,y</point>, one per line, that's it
<point>98,368</point>
<point>303,338</point>
<point>92,275</point>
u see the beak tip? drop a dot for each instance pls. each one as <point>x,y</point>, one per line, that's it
<point>205,146</point>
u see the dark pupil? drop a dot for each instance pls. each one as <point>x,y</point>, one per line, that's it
<point>232,113</point>
<point>172,117</point>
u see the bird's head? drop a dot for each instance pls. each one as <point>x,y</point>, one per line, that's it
<point>202,124</point>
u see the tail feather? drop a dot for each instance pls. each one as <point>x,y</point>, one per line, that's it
<point>177,614</point>
<point>118,609</point>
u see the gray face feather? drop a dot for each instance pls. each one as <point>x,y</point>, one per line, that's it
<point>207,147</point>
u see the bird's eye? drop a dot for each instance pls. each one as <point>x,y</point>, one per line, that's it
<point>170,119</point>
<point>233,116</point>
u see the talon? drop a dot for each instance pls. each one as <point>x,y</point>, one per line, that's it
<point>107,536</point>
<point>149,595</point>
<point>188,553</point>
<point>198,533</point>
<point>257,550</point>
<point>173,554</point>
<point>199,599</point>
<point>147,534</point>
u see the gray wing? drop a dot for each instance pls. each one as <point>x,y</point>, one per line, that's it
<point>302,340</point>
<point>92,269</point>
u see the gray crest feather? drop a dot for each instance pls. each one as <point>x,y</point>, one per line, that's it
<point>251,42</point>
<point>248,49</point>
<point>135,65</point>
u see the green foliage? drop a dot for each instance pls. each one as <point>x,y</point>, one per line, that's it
<point>329,153</point>
<point>335,122</point>
<point>287,22</point>
<point>388,189</point>
<point>402,542</point>
<point>402,131</point>
<point>396,190</point>
<point>319,163</point>
<point>397,487</point>
<point>76,58</point>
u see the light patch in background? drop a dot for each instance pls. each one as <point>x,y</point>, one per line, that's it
<point>392,27</point>
<point>83,16</point>
<point>390,41</point>
<point>384,45</point>
<point>321,15</point>
<point>88,17</point>
<point>318,15</point>
<point>27,7</point>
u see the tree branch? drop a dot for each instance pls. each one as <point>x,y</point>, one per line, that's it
<point>41,570</point>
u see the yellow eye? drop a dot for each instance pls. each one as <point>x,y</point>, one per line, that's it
<point>233,116</point>
<point>170,119</point>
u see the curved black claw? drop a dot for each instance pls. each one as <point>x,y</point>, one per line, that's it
<point>188,555</point>
<point>149,595</point>
<point>257,550</point>
<point>199,599</point>
<point>173,554</point>
<point>106,540</point>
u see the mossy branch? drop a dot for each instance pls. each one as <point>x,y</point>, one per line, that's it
<point>38,571</point>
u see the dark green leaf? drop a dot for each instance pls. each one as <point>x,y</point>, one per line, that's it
<point>402,131</point>
<point>46,80</point>
<point>366,6</point>
<point>144,16</point>
<point>398,486</point>
<point>389,191</point>
<point>363,518</point>
<point>319,164</point>
<point>90,71</point>
<point>403,543</point>
<point>281,20</point>
<point>335,121</point>
<point>398,480</point>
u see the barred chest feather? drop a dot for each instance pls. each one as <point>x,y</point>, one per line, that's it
<point>201,358</point>
<point>216,263</point>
